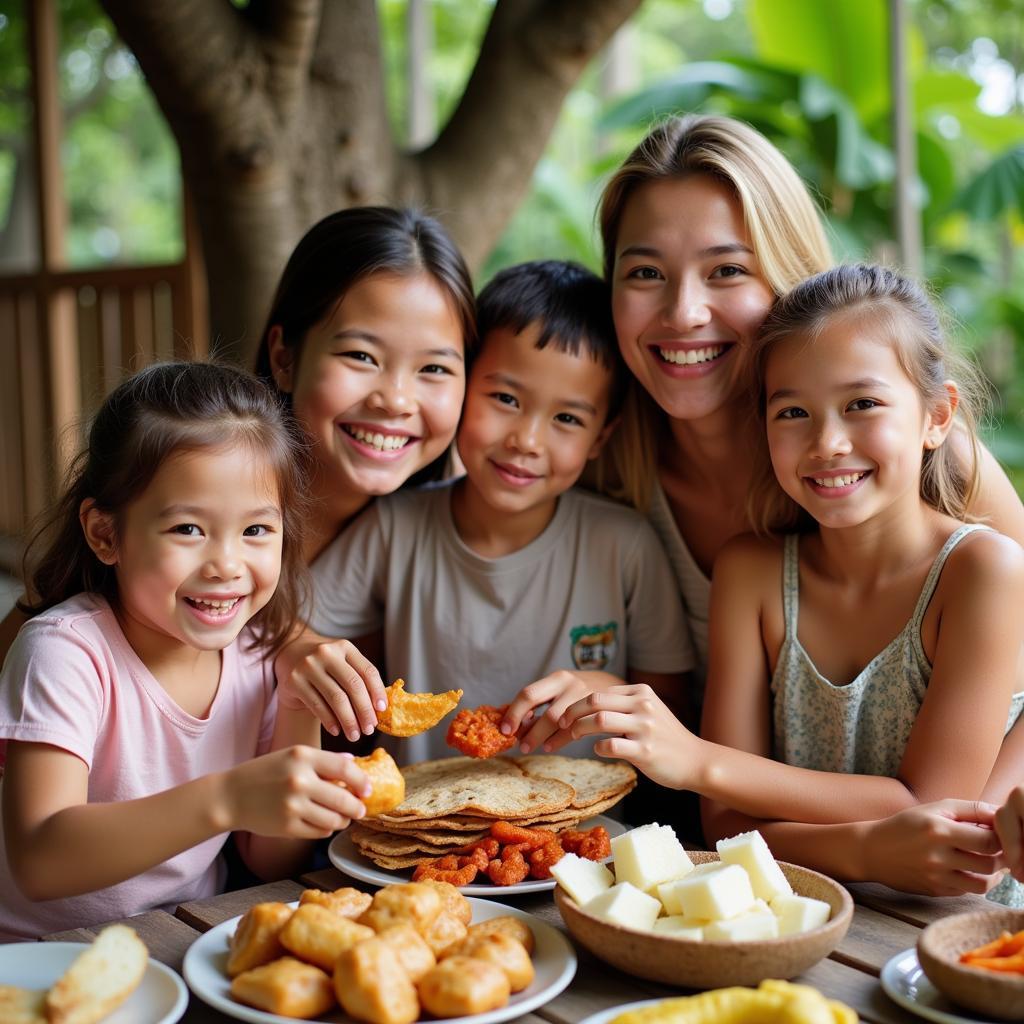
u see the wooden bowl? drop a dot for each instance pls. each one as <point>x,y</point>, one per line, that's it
<point>689,964</point>
<point>987,992</point>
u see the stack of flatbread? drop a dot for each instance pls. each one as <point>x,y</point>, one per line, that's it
<point>452,802</point>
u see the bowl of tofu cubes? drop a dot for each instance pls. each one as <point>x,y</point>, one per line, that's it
<point>700,920</point>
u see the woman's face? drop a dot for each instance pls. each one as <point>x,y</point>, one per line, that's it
<point>687,293</point>
<point>379,383</point>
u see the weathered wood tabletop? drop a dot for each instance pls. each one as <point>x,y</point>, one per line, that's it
<point>884,923</point>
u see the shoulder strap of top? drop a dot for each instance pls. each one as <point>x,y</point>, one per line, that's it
<point>936,570</point>
<point>791,582</point>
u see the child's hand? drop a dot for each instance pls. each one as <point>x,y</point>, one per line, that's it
<point>559,691</point>
<point>1009,826</point>
<point>334,681</point>
<point>944,848</point>
<point>295,793</point>
<point>644,731</point>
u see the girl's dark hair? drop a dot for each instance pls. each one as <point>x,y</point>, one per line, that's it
<point>165,409</point>
<point>346,247</point>
<point>901,312</point>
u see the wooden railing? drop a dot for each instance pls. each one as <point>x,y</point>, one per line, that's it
<point>66,338</point>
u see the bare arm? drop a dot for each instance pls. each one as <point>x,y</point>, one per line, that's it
<point>978,639</point>
<point>59,845</point>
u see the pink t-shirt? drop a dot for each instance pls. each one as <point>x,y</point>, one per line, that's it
<point>71,680</point>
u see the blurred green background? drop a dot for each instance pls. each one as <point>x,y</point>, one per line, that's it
<point>812,76</point>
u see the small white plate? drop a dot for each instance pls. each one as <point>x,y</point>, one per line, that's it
<point>346,858</point>
<point>554,964</point>
<point>905,982</point>
<point>606,1016</point>
<point>161,997</point>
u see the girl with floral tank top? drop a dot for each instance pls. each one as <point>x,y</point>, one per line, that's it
<point>868,660</point>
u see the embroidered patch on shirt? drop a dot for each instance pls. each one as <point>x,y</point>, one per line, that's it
<point>593,647</point>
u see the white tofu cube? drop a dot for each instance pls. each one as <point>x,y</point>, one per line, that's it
<point>799,913</point>
<point>582,879</point>
<point>626,905</point>
<point>750,851</point>
<point>715,895</point>
<point>745,928</point>
<point>648,855</point>
<point>680,927</point>
<point>666,891</point>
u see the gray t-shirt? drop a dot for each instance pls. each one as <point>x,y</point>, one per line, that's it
<point>593,591</point>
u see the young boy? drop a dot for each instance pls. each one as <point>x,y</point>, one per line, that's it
<point>508,575</point>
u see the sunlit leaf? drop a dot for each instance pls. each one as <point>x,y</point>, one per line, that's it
<point>935,88</point>
<point>844,42</point>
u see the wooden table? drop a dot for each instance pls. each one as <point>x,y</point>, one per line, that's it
<point>884,923</point>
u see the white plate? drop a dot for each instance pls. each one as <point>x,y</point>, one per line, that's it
<point>905,982</point>
<point>346,858</point>
<point>161,997</point>
<point>553,961</point>
<point>606,1016</point>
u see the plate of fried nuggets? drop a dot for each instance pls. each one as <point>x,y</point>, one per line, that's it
<point>410,952</point>
<point>453,803</point>
<point>112,981</point>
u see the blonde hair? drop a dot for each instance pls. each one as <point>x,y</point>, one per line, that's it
<point>903,314</point>
<point>786,234</point>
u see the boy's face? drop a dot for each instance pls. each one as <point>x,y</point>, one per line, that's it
<point>533,418</point>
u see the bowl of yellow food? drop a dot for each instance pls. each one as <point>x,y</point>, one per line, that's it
<point>976,959</point>
<point>730,920</point>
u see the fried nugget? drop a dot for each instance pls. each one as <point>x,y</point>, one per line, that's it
<point>503,951</point>
<point>452,900</point>
<point>409,714</point>
<point>319,936</point>
<point>100,979</point>
<point>387,781</point>
<point>347,902</point>
<point>505,925</point>
<point>372,985</point>
<point>408,903</point>
<point>287,987</point>
<point>461,985</point>
<point>444,932</point>
<point>256,939</point>
<point>411,949</point>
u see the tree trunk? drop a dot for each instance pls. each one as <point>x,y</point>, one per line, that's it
<point>280,115</point>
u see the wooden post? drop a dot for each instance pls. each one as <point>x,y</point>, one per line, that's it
<point>58,384</point>
<point>907,215</point>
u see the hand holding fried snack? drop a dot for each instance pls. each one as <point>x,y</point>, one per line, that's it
<point>476,734</point>
<point>409,714</point>
<point>387,781</point>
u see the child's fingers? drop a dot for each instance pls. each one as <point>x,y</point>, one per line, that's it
<point>341,667</point>
<point>614,723</point>
<point>528,698</point>
<point>341,768</point>
<point>371,679</point>
<point>321,678</point>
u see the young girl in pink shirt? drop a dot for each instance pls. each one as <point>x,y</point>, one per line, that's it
<point>139,722</point>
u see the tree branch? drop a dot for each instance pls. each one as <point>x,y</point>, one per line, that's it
<point>184,45</point>
<point>289,30</point>
<point>531,55</point>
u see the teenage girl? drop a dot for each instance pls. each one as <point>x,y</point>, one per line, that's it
<point>139,722</point>
<point>368,338</point>
<point>870,661</point>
